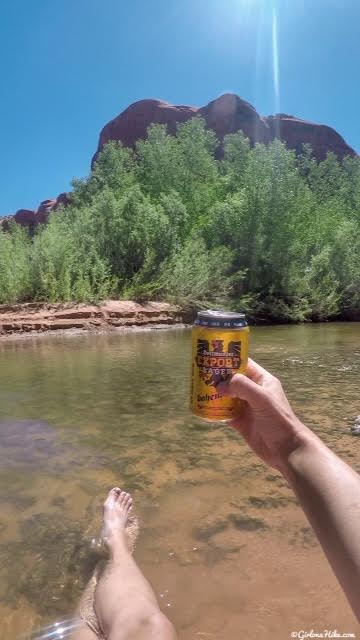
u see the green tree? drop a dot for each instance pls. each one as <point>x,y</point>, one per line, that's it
<point>15,277</point>
<point>236,158</point>
<point>66,264</point>
<point>196,277</point>
<point>113,169</point>
<point>182,219</point>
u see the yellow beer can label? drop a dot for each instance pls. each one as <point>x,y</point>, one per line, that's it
<point>218,352</point>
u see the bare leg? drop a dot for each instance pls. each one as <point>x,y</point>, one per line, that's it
<point>124,601</point>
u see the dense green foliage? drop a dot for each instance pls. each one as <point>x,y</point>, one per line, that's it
<point>259,229</point>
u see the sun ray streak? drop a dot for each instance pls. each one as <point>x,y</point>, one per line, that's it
<point>276,73</point>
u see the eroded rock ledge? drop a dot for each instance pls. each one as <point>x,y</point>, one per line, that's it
<point>110,315</point>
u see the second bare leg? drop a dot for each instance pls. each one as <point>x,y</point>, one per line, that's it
<point>124,601</point>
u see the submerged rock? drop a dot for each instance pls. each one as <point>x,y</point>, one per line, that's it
<point>49,565</point>
<point>355,428</point>
<point>209,528</point>
<point>271,502</point>
<point>304,537</point>
<point>247,523</point>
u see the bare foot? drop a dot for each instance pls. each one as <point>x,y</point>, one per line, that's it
<point>117,507</point>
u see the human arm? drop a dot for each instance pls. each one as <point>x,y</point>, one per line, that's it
<point>327,488</point>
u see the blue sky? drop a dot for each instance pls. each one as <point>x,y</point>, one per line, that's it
<point>69,66</point>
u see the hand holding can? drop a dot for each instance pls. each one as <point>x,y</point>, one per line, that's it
<point>220,345</point>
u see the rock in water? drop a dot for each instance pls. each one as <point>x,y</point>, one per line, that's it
<point>355,428</point>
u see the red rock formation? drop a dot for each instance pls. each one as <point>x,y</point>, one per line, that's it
<point>226,114</point>
<point>229,113</point>
<point>46,206</point>
<point>62,199</point>
<point>25,217</point>
<point>30,219</point>
<point>132,124</point>
<point>295,132</point>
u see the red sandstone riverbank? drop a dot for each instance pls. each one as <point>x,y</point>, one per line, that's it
<point>36,317</point>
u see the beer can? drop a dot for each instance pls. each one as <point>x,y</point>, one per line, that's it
<point>220,345</point>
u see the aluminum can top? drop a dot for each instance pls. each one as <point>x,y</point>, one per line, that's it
<point>223,319</point>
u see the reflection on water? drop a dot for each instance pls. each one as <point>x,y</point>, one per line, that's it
<point>226,547</point>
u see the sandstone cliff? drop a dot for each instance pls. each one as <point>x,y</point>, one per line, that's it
<point>30,219</point>
<point>226,114</point>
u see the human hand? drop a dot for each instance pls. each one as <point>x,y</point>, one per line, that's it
<point>268,422</point>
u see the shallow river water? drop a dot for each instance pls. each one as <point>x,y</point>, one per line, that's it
<point>228,551</point>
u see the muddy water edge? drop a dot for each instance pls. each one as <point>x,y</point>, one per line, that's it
<point>223,542</point>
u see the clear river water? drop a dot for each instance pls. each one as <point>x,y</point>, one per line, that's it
<point>222,540</point>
